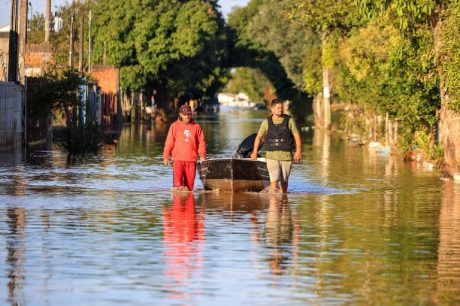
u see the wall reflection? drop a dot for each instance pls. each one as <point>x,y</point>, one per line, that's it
<point>15,254</point>
<point>183,237</point>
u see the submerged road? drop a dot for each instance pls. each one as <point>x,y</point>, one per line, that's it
<point>356,228</point>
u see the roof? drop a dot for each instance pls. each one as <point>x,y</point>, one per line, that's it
<point>5,28</point>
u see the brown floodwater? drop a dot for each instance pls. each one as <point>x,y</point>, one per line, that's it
<point>357,227</point>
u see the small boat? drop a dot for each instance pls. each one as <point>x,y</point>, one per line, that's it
<point>234,174</point>
<point>238,173</point>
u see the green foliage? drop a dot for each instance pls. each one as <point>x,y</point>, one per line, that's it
<point>81,140</point>
<point>36,32</point>
<point>56,90</point>
<point>132,77</point>
<point>326,16</point>
<point>250,81</point>
<point>262,37</point>
<point>239,19</point>
<point>270,29</point>
<point>327,22</point>
<point>407,15</point>
<point>449,55</point>
<point>171,45</point>
<point>60,41</point>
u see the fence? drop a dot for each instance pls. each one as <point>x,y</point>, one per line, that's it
<point>11,116</point>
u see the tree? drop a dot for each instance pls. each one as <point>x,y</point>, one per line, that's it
<point>250,81</point>
<point>55,91</point>
<point>36,32</point>
<point>440,17</point>
<point>256,43</point>
<point>173,46</point>
<point>329,19</point>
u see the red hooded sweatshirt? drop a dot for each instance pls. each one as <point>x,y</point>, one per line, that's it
<point>185,141</point>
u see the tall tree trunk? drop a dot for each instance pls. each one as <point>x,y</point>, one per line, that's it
<point>318,110</point>
<point>449,121</point>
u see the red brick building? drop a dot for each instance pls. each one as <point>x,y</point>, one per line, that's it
<point>39,57</point>
<point>108,79</point>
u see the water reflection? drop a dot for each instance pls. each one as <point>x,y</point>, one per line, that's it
<point>183,244</point>
<point>448,267</point>
<point>10,159</point>
<point>233,203</point>
<point>281,235</point>
<point>15,257</point>
<point>358,228</point>
<point>322,142</point>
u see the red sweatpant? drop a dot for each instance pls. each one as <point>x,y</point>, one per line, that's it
<point>184,174</point>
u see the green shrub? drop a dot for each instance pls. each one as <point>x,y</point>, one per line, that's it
<point>83,140</point>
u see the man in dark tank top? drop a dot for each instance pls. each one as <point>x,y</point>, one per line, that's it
<point>282,142</point>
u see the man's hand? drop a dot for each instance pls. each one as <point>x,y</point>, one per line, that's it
<point>202,159</point>
<point>253,155</point>
<point>166,161</point>
<point>297,156</point>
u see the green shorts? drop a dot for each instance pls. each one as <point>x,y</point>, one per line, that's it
<point>279,170</point>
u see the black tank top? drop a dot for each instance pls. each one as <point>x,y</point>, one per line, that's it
<point>279,137</point>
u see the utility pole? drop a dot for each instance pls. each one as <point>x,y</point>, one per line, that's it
<point>13,43</point>
<point>326,87</point>
<point>71,47</point>
<point>81,46</point>
<point>48,21</point>
<point>24,4</point>
<point>90,43</point>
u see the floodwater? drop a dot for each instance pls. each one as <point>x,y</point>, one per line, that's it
<point>357,227</point>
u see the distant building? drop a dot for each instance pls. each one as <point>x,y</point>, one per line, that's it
<point>58,24</point>
<point>240,100</point>
<point>226,98</point>
<point>39,57</point>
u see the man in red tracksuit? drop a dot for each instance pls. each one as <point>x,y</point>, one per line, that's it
<point>185,140</point>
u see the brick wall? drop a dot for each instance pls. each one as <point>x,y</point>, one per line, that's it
<point>108,78</point>
<point>38,58</point>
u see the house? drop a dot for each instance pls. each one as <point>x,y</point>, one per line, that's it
<point>241,100</point>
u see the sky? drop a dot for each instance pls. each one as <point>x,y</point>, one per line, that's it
<point>39,6</point>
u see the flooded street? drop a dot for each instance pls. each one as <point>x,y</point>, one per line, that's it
<point>356,228</point>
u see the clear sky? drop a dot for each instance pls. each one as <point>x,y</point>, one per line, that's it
<point>39,6</point>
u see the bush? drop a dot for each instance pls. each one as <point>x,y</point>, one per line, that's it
<point>83,140</point>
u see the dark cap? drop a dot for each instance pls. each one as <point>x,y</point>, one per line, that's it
<point>185,109</point>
